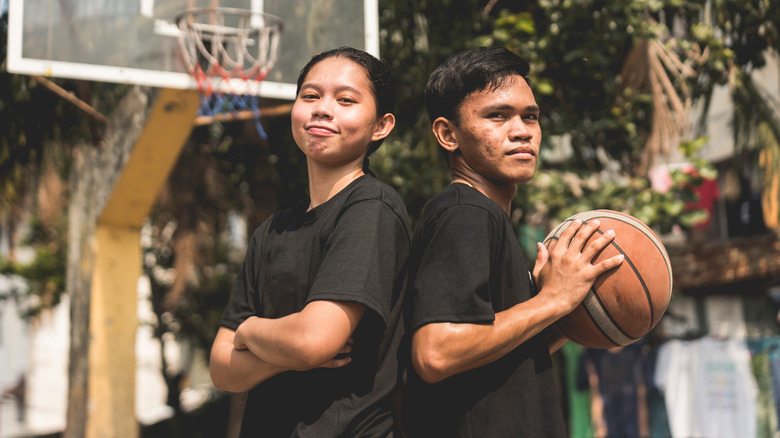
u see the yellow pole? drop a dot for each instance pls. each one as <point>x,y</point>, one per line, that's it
<point>117,251</point>
<point>113,324</point>
<point>769,158</point>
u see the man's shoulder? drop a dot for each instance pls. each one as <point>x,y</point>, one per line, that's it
<point>461,198</point>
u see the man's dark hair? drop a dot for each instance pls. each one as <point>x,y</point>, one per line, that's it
<point>466,72</point>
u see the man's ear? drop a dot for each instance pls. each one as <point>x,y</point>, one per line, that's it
<point>383,127</point>
<point>443,130</point>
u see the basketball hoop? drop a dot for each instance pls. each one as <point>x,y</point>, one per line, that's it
<point>229,51</point>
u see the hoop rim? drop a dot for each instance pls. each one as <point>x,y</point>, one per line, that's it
<point>227,72</point>
<point>270,21</point>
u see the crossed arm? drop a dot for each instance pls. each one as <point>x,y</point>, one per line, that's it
<point>261,348</point>
<point>566,274</point>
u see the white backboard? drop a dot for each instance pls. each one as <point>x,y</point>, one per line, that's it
<point>135,41</point>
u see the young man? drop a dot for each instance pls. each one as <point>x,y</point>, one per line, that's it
<point>480,350</point>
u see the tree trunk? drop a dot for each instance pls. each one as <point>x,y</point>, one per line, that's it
<point>94,172</point>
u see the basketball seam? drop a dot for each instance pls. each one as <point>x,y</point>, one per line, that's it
<point>639,226</point>
<point>592,318</point>
<point>641,280</point>
<point>604,309</point>
<point>609,316</point>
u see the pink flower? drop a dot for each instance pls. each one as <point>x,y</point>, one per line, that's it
<point>660,179</point>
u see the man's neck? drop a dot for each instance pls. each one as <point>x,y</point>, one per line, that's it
<point>502,195</point>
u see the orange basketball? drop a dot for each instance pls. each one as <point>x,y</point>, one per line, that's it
<point>624,303</point>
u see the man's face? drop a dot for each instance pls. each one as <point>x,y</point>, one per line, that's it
<point>499,133</point>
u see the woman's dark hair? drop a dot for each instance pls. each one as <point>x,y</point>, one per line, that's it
<point>379,77</point>
<point>466,72</point>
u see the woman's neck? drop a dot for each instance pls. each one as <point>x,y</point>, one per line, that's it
<point>326,182</point>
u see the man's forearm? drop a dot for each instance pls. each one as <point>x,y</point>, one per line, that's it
<point>440,350</point>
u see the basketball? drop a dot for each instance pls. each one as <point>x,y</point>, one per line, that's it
<point>624,303</point>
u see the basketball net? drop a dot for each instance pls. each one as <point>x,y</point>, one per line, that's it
<point>229,52</point>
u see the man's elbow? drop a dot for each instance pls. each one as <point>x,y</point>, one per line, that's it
<point>430,366</point>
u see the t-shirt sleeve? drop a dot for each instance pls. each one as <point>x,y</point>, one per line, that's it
<point>452,281</point>
<point>244,296</point>
<point>363,257</point>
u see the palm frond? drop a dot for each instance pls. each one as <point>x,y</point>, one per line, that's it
<point>654,65</point>
<point>756,126</point>
<point>754,106</point>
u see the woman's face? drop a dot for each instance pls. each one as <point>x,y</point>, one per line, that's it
<point>334,115</point>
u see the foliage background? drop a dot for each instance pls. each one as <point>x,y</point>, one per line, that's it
<point>598,117</point>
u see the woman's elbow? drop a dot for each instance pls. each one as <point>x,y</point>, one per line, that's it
<point>222,376</point>
<point>222,381</point>
<point>312,351</point>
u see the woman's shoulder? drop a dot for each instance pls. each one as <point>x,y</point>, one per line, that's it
<point>281,220</point>
<point>369,187</point>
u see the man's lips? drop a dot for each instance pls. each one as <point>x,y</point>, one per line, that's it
<point>522,151</point>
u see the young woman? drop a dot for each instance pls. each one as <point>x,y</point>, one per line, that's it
<point>312,327</point>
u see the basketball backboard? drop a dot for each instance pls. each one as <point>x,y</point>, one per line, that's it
<point>136,41</point>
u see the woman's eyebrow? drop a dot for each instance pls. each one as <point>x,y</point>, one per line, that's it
<point>310,85</point>
<point>319,89</point>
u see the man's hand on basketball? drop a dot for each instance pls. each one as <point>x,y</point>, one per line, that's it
<point>565,271</point>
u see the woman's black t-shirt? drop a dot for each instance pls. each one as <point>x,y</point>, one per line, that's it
<point>351,248</point>
<point>466,264</point>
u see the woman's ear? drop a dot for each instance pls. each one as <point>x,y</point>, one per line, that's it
<point>383,127</point>
<point>445,134</point>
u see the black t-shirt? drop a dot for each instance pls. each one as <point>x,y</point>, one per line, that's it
<point>351,248</point>
<point>466,264</point>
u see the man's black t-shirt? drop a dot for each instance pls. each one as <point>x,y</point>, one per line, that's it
<point>351,248</point>
<point>466,264</point>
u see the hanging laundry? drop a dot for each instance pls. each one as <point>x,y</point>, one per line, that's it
<point>621,386</point>
<point>708,386</point>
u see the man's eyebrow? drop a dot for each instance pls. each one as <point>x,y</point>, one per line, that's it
<point>504,106</point>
